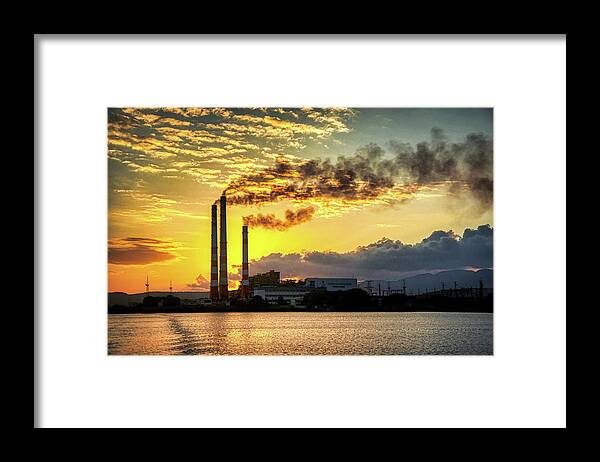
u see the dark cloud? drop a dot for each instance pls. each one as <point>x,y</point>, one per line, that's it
<point>370,173</point>
<point>139,251</point>
<point>137,255</point>
<point>269,221</point>
<point>387,258</point>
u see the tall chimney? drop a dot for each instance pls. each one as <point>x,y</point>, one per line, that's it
<point>223,283</point>
<point>214,266</point>
<point>245,282</point>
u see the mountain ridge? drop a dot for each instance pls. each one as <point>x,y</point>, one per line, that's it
<point>433,281</point>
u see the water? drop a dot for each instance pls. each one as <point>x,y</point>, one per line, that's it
<point>301,334</point>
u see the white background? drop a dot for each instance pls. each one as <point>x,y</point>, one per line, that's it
<point>523,384</point>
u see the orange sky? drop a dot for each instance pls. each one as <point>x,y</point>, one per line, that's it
<point>168,165</point>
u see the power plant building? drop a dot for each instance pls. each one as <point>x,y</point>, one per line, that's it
<point>272,278</point>
<point>331,284</point>
<point>278,294</point>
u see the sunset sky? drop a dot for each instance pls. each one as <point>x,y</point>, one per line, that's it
<point>367,193</point>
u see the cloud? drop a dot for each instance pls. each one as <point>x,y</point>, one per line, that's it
<point>201,283</point>
<point>389,259</point>
<point>148,139</point>
<point>269,221</point>
<point>151,207</point>
<point>143,240</point>
<point>139,251</point>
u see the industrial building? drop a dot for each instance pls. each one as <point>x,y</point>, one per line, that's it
<point>331,284</point>
<point>272,278</point>
<point>282,294</point>
<point>294,295</point>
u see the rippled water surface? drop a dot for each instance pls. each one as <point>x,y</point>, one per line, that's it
<point>300,334</point>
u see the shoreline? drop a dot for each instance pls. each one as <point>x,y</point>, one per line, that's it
<point>288,310</point>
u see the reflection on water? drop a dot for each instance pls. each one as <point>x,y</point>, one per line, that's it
<point>301,334</point>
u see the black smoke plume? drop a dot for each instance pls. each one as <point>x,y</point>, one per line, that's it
<point>370,173</point>
<point>469,163</point>
<point>269,221</point>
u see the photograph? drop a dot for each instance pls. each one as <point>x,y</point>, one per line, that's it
<point>299,231</point>
<point>305,231</point>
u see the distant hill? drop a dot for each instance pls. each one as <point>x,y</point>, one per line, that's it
<point>122,298</point>
<point>428,281</point>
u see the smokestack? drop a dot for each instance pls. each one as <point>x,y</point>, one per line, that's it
<point>245,281</point>
<point>223,283</point>
<point>214,268</point>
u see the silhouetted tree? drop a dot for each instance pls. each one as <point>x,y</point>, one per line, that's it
<point>257,302</point>
<point>395,301</point>
<point>317,298</point>
<point>354,299</point>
